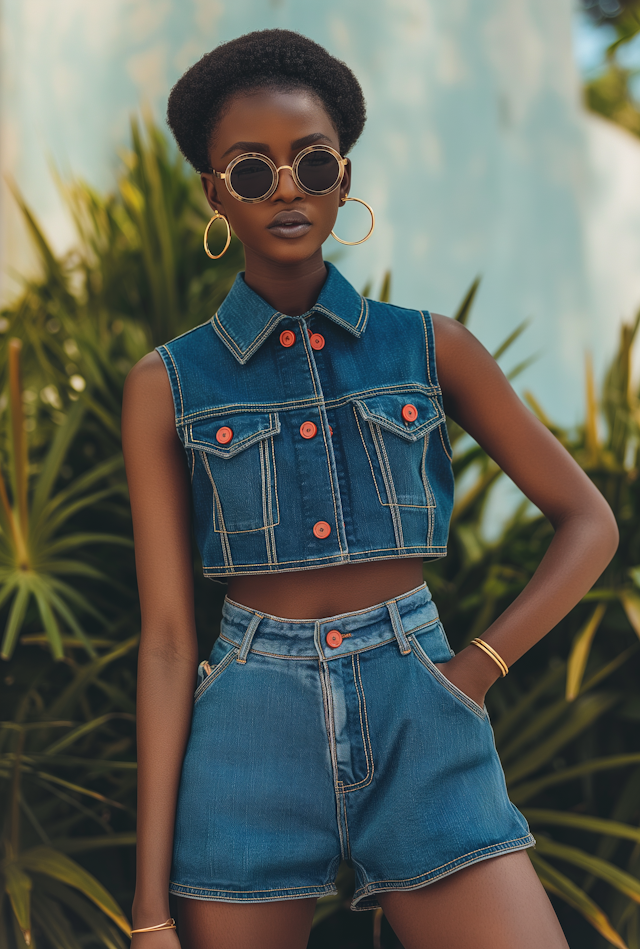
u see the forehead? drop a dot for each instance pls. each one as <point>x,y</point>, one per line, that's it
<point>273,116</point>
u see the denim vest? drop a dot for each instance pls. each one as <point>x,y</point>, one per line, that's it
<point>312,440</point>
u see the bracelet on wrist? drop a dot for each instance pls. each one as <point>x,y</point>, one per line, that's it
<point>490,651</point>
<point>169,924</point>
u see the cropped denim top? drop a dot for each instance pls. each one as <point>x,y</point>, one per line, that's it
<point>312,440</point>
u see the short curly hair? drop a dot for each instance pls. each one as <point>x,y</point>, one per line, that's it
<point>276,58</point>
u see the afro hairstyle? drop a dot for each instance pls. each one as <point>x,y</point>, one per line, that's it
<point>265,58</point>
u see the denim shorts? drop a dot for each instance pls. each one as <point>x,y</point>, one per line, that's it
<point>316,741</point>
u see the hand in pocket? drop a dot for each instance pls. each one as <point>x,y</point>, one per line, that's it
<point>473,678</point>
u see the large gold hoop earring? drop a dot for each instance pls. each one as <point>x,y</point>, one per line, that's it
<point>215,217</point>
<point>370,232</point>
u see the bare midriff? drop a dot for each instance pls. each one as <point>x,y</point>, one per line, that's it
<point>313,594</point>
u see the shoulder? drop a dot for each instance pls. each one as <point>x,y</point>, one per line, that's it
<point>148,375</point>
<point>147,392</point>
<point>466,370</point>
<point>148,413</point>
<point>454,341</point>
<point>449,332</point>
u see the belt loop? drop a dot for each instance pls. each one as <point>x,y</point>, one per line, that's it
<point>247,639</point>
<point>316,640</point>
<point>398,629</point>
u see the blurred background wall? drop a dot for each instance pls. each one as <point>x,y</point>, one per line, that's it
<point>479,156</point>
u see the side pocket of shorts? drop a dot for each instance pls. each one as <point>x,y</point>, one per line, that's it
<point>207,674</point>
<point>445,683</point>
<point>446,639</point>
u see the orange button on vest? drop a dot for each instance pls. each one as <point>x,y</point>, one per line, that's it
<point>316,340</point>
<point>287,338</point>
<point>322,529</point>
<point>409,412</point>
<point>308,430</point>
<point>224,435</point>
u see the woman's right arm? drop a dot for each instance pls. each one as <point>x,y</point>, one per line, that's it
<point>159,489</point>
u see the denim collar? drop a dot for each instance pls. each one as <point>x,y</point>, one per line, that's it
<point>244,319</point>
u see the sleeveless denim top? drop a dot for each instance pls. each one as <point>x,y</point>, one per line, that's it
<point>312,440</point>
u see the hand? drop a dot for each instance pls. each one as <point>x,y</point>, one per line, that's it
<point>472,672</point>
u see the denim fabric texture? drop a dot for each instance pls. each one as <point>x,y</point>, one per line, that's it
<point>312,440</point>
<point>302,754</point>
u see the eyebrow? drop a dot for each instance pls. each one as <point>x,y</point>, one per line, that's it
<point>263,147</point>
<point>310,140</point>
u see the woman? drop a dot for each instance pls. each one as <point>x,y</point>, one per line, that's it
<point>306,426</point>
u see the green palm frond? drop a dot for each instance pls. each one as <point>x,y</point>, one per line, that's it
<point>45,888</point>
<point>627,884</point>
<point>30,542</point>
<point>580,651</point>
<point>594,825</point>
<point>521,793</point>
<point>45,861</point>
<point>17,886</point>
<point>463,312</point>
<point>95,921</point>
<point>582,715</point>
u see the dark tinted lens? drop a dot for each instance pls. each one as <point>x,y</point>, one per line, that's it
<point>251,178</point>
<point>319,171</point>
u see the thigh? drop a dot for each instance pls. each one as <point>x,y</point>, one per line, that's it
<point>496,904</point>
<point>208,924</point>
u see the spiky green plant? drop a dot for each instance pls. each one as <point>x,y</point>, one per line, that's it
<point>58,775</point>
<point>36,539</point>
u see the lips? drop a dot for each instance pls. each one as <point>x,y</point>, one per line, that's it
<point>290,224</point>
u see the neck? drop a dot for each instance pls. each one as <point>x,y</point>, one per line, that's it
<point>289,288</point>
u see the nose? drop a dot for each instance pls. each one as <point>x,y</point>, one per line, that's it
<point>287,189</point>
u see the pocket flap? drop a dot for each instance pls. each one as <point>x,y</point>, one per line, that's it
<point>228,435</point>
<point>387,411</point>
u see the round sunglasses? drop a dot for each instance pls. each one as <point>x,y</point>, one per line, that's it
<point>253,177</point>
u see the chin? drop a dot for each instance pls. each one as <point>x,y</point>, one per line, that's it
<point>293,252</point>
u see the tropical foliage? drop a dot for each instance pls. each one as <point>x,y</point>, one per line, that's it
<point>613,91</point>
<point>565,719</point>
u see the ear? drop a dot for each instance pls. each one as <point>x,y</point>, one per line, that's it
<point>345,184</point>
<point>210,187</point>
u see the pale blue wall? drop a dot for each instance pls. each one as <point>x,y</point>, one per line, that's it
<point>475,155</point>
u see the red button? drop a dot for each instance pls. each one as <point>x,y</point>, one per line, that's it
<point>224,435</point>
<point>316,340</point>
<point>330,431</point>
<point>322,529</point>
<point>334,638</point>
<point>308,430</point>
<point>409,412</point>
<point>287,338</point>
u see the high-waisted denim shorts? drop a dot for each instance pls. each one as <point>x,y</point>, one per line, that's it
<point>316,741</point>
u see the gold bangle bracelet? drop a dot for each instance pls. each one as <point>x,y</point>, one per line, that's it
<point>486,648</point>
<point>170,924</point>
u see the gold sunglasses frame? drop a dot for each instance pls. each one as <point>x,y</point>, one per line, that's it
<point>226,174</point>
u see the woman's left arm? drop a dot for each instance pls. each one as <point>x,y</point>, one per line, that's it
<point>478,396</point>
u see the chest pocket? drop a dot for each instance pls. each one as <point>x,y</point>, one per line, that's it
<point>236,455</point>
<point>395,431</point>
